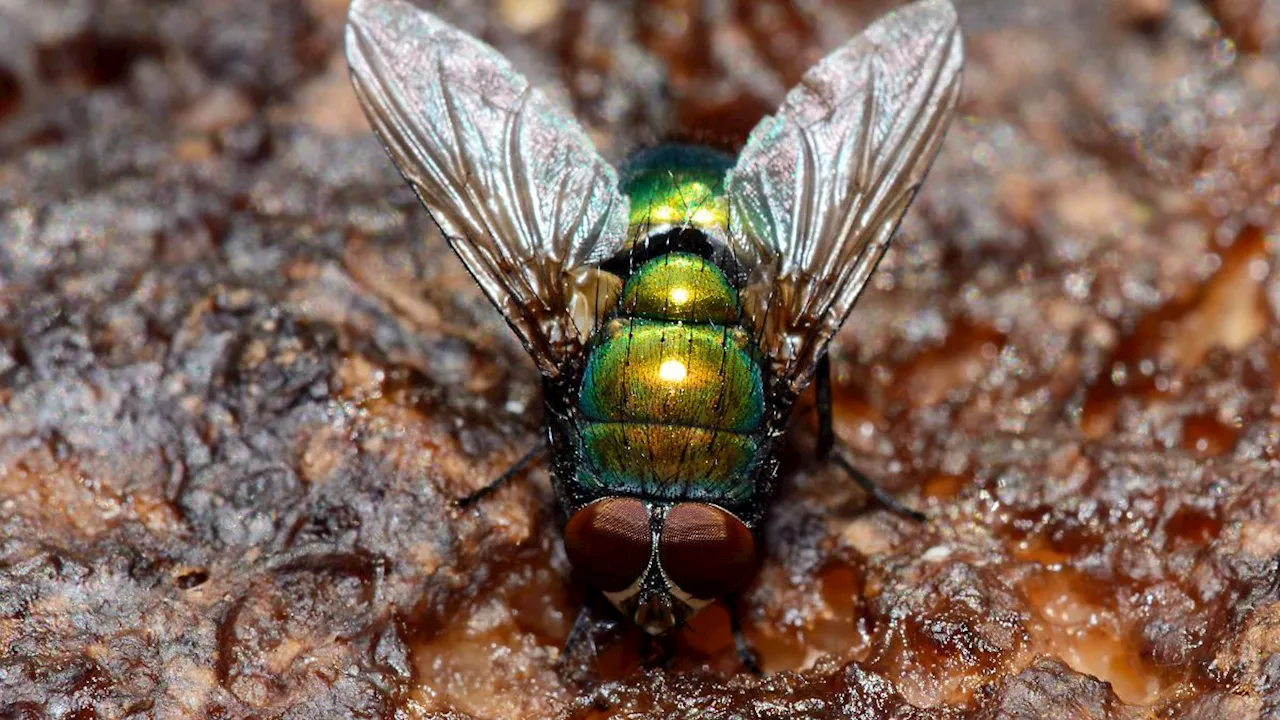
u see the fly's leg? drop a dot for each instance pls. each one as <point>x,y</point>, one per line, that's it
<point>827,449</point>
<point>594,629</point>
<point>494,485</point>
<point>876,492</point>
<point>822,389</point>
<point>578,633</point>
<point>746,655</point>
<point>570,665</point>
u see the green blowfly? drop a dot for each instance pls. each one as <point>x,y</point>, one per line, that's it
<point>675,309</point>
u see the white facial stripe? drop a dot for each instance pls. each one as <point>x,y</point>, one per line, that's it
<point>620,597</point>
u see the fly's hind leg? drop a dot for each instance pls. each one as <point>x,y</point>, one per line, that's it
<point>516,468</point>
<point>827,449</point>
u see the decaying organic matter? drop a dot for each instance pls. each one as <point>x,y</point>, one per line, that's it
<point>238,392</point>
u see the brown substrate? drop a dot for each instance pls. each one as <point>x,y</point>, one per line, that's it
<point>242,379</point>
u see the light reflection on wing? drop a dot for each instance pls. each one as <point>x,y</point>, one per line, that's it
<point>514,184</point>
<point>821,186</point>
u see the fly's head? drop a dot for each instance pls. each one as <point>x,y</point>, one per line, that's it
<point>659,563</point>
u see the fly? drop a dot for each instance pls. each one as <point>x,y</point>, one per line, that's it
<point>675,308</point>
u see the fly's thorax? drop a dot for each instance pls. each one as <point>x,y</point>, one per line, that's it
<point>660,562</point>
<point>670,198</point>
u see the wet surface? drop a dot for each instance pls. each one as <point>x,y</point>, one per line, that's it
<point>242,381</point>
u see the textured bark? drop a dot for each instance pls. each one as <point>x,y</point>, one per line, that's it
<point>242,380</point>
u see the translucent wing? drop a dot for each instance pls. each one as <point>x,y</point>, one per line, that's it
<point>821,186</point>
<point>513,183</point>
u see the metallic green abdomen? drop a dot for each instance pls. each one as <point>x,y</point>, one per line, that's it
<point>668,461</point>
<point>672,393</point>
<point>663,372</point>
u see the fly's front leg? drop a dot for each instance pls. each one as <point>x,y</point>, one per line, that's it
<point>746,654</point>
<point>535,454</point>
<point>827,445</point>
<point>579,651</point>
<point>594,629</point>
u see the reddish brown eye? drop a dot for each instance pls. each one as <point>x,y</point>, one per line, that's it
<point>610,542</point>
<point>706,551</point>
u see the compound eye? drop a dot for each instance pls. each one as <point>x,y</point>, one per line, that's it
<point>705,550</point>
<point>610,542</point>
